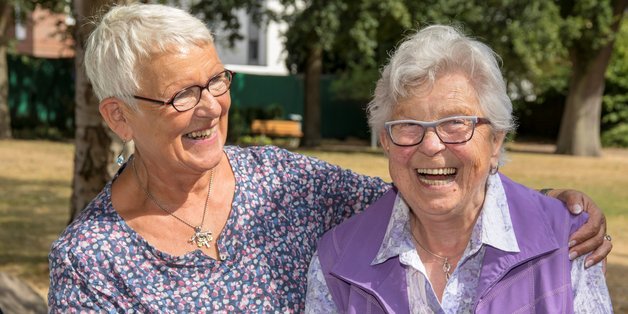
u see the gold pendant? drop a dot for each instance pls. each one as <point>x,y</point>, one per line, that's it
<point>201,238</point>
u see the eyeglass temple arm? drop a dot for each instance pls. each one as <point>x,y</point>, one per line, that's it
<point>151,100</point>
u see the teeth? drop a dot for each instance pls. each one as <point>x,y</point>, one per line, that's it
<point>201,134</point>
<point>437,171</point>
<point>435,182</point>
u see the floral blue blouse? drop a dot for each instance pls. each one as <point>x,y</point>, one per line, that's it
<point>282,204</point>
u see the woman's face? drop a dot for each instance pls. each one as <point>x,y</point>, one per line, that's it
<point>191,140</point>
<point>467,165</point>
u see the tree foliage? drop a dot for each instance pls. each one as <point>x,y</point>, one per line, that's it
<point>542,43</point>
<point>223,14</point>
<point>615,101</point>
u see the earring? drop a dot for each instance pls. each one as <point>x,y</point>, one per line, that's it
<point>120,159</point>
<point>494,170</point>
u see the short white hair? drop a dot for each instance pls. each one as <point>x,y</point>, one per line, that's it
<point>128,35</point>
<point>431,53</point>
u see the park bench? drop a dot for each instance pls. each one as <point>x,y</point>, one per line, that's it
<point>286,133</point>
<point>277,128</point>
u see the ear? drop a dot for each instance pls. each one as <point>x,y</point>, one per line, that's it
<point>114,111</point>
<point>384,140</point>
<point>498,141</point>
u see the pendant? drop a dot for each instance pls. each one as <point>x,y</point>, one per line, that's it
<point>201,238</point>
<point>446,268</point>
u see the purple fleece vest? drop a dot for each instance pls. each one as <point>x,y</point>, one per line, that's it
<point>535,280</point>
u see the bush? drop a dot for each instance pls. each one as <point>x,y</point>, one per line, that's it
<point>617,136</point>
<point>258,140</point>
<point>240,122</point>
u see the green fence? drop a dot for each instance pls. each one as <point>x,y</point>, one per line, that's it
<point>41,96</point>
<point>255,96</point>
<point>41,101</point>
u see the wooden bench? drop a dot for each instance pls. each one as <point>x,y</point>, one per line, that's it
<point>277,128</point>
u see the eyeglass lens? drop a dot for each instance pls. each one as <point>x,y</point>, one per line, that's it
<point>189,97</point>
<point>449,131</point>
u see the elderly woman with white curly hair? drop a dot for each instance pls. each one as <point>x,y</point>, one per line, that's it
<point>453,235</point>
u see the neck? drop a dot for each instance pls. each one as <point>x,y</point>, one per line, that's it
<point>443,238</point>
<point>171,189</point>
<point>446,235</point>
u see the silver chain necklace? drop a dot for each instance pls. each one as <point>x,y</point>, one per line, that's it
<point>200,238</point>
<point>446,264</point>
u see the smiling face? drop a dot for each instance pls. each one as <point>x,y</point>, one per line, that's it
<point>179,141</point>
<point>436,179</point>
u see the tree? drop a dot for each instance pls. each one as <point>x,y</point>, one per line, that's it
<point>338,37</point>
<point>95,144</point>
<point>19,9</point>
<point>543,44</point>
<point>594,24</point>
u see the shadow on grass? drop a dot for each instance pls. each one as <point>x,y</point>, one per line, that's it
<point>531,149</point>
<point>18,196</point>
<point>32,215</point>
<point>617,280</point>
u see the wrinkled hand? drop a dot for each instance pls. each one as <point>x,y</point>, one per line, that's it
<point>590,237</point>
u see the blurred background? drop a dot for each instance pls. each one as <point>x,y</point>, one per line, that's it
<point>306,70</point>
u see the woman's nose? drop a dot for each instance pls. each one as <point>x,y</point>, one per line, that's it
<point>431,144</point>
<point>208,104</point>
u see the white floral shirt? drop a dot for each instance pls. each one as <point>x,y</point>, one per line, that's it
<point>494,228</point>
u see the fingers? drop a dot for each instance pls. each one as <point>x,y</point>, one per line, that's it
<point>590,237</point>
<point>576,201</point>
<point>599,255</point>
<point>582,242</point>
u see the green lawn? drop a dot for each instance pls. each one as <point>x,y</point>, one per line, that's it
<point>36,176</point>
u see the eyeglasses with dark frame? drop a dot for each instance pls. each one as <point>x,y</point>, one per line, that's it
<point>190,96</point>
<point>450,130</point>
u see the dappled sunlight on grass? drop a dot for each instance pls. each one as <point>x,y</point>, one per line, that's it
<point>35,187</point>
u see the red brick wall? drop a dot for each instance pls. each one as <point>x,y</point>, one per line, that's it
<point>45,34</point>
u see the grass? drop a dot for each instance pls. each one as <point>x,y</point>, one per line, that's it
<point>36,176</point>
<point>35,188</point>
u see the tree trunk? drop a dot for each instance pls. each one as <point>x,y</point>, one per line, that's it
<point>95,145</point>
<point>580,125</point>
<point>579,133</point>
<point>312,119</point>
<point>5,113</point>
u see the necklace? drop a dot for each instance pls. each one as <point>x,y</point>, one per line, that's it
<point>445,259</point>
<point>200,238</point>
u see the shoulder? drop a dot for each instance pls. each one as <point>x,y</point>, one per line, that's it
<point>282,164</point>
<point>366,227</point>
<point>265,155</point>
<point>96,230</point>
<point>530,204</point>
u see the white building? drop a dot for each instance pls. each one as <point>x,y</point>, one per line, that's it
<point>262,49</point>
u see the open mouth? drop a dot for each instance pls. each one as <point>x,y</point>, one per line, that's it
<point>437,176</point>
<point>202,134</point>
